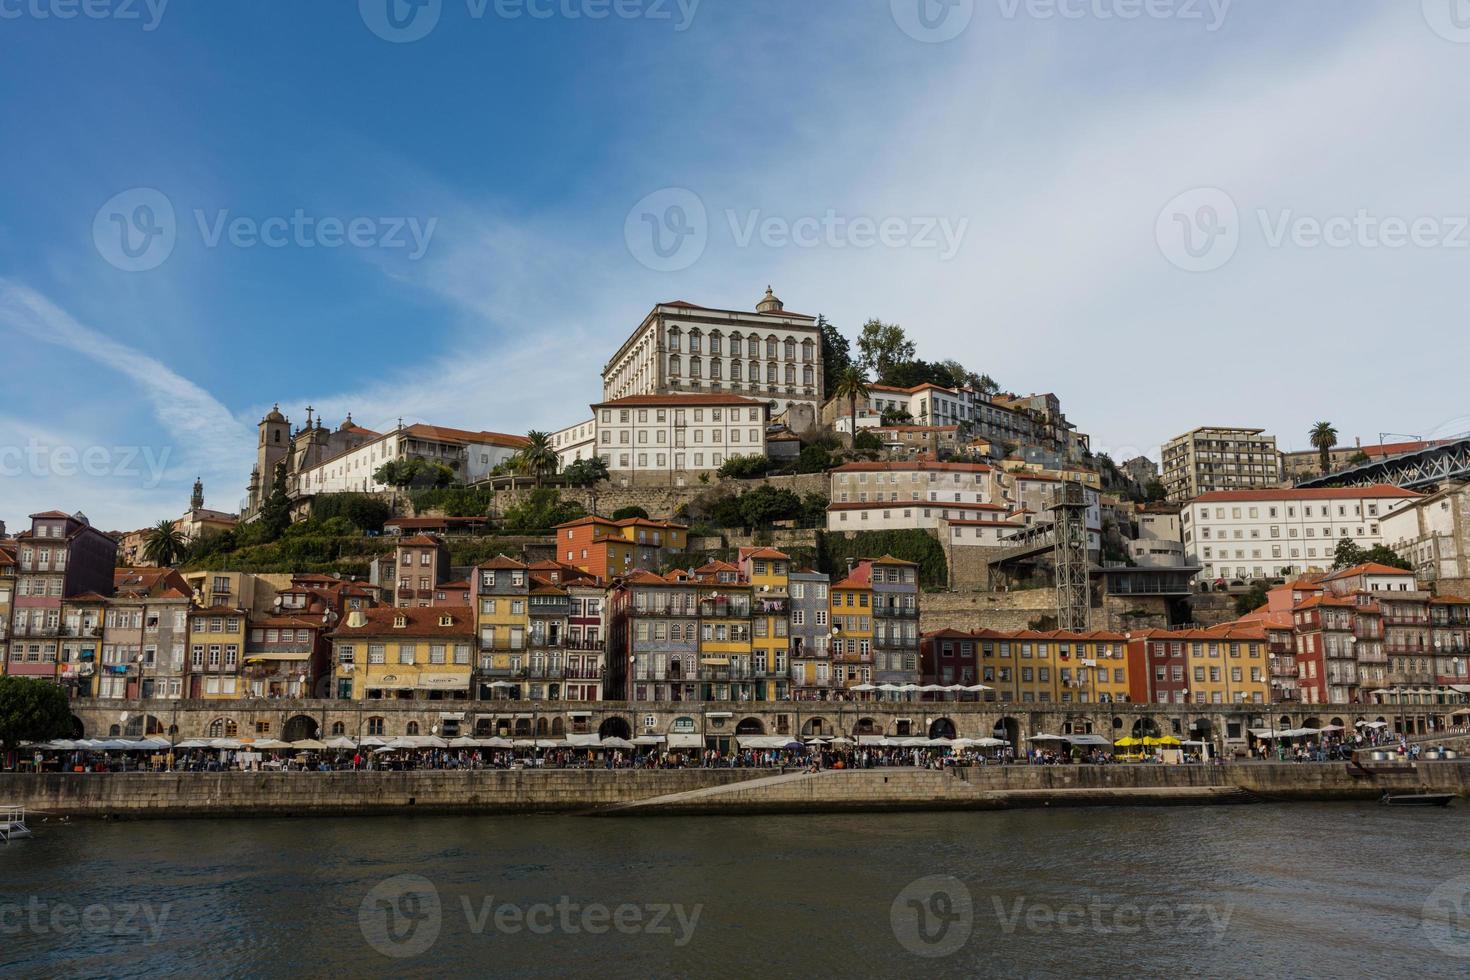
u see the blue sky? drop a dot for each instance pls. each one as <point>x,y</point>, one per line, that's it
<point>1030,172</point>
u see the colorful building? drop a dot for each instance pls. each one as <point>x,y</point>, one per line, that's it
<point>60,556</point>
<point>500,593</point>
<point>414,653</point>
<point>768,572</point>
<point>606,548</point>
<point>216,643</point>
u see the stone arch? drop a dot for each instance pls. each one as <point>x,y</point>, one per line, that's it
<point>376,725</point>
<point>1202,727</point>
<point>558,728</point>
<point>299,727</point>
<point>1145,727</point>
<point>113,731</point>
<point>223,728</point>
<point>412,728</point>
<point>338,728</point>
<point>523,728</point>
<point>1312,722</point>
<point>1009,729</point>
<point>750,726</point>
<point>78,730</point>
<point>1338,723</point>
<point>866,726</point>
<point>542,728</point>
<point>1117,724</point>
<point>615,727</point>
<point>816,726</point>
<point>484,727</point>
<point>1284,721</point>
<point>942,728</point>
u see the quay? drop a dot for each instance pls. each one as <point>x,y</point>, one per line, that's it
<point>653,792</point>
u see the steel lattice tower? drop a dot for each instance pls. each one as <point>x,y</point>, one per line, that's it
<point>1069,555</point>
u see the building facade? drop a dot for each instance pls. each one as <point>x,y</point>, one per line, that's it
<point>1213,458</point>
<point>61,556</point>
<point>673,439</point>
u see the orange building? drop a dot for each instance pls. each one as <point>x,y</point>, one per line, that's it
<point>607,548</point>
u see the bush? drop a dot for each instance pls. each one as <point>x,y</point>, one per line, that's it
<point>814,459</point>
<point>913,545</point>
<point>542,510</point>
<point>628,513</point>
<point>745,467</point>
<point>454,501</point>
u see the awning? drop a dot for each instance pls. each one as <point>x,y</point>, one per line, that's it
<point>719,714</point>
<point>686,740</point>
<point>648,740</point>
<point>1087,740</point>
<point>1462,688</point>
<point>766,741</point>
<point>872,740</point>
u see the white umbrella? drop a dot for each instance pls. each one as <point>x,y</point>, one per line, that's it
<point>464,742</point>
<point>432,742</point>
<point>194,743</point>
<point>341,742</point>
<point>497,742</point>
<point>371,741</point>
<point>225,743</point>
<point>308,745</point>
<point>1043,737</point>
<point>990,743</point>
<point>616,743</point>
<point>842,740</point>
<point>271,744</point>
<point>862,687</point>
<point>978,687</point>
<point>889,687</point>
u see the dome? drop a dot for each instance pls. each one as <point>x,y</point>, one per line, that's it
<point>769,303</point>
<point>274,415</point>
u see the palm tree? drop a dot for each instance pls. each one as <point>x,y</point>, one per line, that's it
<point>165,544</point>
<point>1324,437</point>
<point>538,457</point>
<point>852,384</point>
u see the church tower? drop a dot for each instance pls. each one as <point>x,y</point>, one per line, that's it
<point>274,445</point>
<point>196,500</point>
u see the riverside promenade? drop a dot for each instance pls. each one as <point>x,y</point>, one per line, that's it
<point>633,792</point>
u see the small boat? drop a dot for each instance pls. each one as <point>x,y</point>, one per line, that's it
<point>1390,798</point>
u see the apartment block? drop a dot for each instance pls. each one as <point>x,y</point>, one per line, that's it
<point>1214,458</point>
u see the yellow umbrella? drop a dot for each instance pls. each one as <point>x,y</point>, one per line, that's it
<point>1128,740</point>
<point>1161,740</point>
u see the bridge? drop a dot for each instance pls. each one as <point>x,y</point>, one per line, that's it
<point>1418,470</point>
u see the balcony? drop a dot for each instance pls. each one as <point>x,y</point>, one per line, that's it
<point>595,645</point>
<point>894,612</point>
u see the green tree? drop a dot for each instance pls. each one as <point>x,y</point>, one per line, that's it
<point>984,384</point>
<point>542,510</point>
<point>538,458</point>
<point>766,504</point>
<point>586,472</point>
<point>814,459</point>
<point>867,442</point>
<point>852,385</point>
<point>1348,554</point>
<point>1358,458</point>
<point>627,513</point>
<point>744,467</point>
<point>897,416</point>
<point>882,347</point>
<point>32,710</point>
<point>366,513</point>
<point>1250,601</point>
<point>165,544</point>
<point>1324,437</point>
<point>836,354</point>
<point>275,513</point>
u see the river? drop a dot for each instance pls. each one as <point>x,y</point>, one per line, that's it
<point>1272,890</point>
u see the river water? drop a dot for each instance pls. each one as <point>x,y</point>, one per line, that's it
<point>1274,890</point>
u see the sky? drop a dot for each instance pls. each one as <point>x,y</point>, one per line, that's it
<point>1171,213</point>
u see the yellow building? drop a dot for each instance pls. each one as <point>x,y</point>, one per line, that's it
<point>216,645</point>
<point>768,572</point>
<point>852,629</point>
<point>1053,667</point>
<point>1227,665</point>
<point>726,661</point>
<point>500,594</point>
<point>418,653</point>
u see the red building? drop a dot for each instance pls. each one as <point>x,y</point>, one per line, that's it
<point>60,556</point>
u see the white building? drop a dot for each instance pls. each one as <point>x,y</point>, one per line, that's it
<point>1433,533</point>
<point>1245,534</point>
<point>668,439</point>
<point>770,354</point>
<point>471,455</point>
<point>917,493</point>
<point>575,442</point>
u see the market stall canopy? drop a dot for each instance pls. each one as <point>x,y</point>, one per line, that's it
<point>614,742</point>
<point>341,742</point>
<point>1087,740</point>
<point>686,740</point>
<point>308,745</point>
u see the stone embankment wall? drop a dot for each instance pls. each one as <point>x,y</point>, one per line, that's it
<point>660,499</point>
<point>719,791</point>
<point>1019,610</point>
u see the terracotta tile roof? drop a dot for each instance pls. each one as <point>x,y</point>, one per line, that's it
<point>217,611</point>
<point>890,560</point>
<point>916,428</point>
<point>50,514</point>
<point>1378,490</point>
<point>767,553</point>
<point>459,586</point>
<point>676,401</point>
<point>288,621</point>
<point>421,541</point>
<point>1449,600</point>
<point>419,622</point>
<point>1367,568</point>
<point>500,562</point>
<point>931,504</point>
<point>445,434</point>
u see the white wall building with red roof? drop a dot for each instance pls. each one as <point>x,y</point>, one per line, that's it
<point>1279,533</point>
